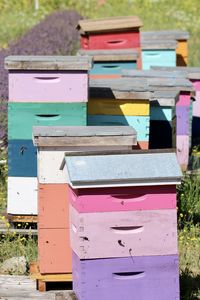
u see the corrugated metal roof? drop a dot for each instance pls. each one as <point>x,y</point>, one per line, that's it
<point>123,169</point>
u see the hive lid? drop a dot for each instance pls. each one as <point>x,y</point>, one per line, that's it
<point>189,72</point>
<point>148,44</point>
<point>181,84</point>
<point>111,55</point>
<point>165,98</point>
<point>119,88</point>
<point>165,34</point>
<point>76,136</point>
<point>154,73</point>
<point>109,24</point>
<point>72,63</point>
<point>133,169</point>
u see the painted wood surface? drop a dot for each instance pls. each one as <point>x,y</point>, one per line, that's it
<point>161,113</point>
<point>48,86</point>
<point>196,104</point>
<point>143,144</point>
<point>140,168</point>
<point>184,99</point>
<point>109,24</point>
<point>118,107</point>
<point>150,277</point>
<point>22,196</point>
<point>123,199</point>
<point>53,206</point>
<point>118,40</point>
<point>182,150</point>
<point>161,134</point>
<point>158,58</point>
<point>22,158</point>
<point>137,233</point>
<point>23,116</point>
<point>182,53</point>
<point>107,68</point>
<point>54,251</point>
<point>47,62</point>
<point>139,123</point>
<point>183,120</point>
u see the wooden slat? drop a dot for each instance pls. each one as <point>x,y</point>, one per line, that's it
<point>166,34</point>
<point>21,62</point>
<point>189,72</point>
<point>111,55</point>
<point>22,218</point>
<point>109,24</point>
<point>18,231</point>
<point>148,44</point>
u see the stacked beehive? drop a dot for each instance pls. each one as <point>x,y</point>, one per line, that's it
<point>53,206</point>
<point>123,225</point>
<point>169,35</point>
<point>181,123</point>
<point>158,52</point>
<point>119,102</point>
<point>114,43</point>
<point>42,91</point>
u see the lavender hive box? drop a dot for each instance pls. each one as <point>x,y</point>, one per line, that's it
<point>129,278</point>
<point>182,123</point>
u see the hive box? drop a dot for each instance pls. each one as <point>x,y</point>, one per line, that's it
<point>130,278</point>
<point>109,63</point>
<point>53,205</point>
<point>112,33</point>
<point>120,102</point>
<point>53,142</point>
<point>179,35</point>
<point>158,53</point>
<point>22,196</point>
<point>49,78</point>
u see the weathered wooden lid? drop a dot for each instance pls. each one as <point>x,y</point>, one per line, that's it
<point>76,136</point>
<point>72,63</point>
<point>165,98</point>
<point>133,169</point>
<point>109,24</point>
<point>154,73</point>
<point>180,84</point>
<point>165,34</point>
<point>119,88</point>
<point>111,55</point>
<point>149,44</point>
<point>188,72</point>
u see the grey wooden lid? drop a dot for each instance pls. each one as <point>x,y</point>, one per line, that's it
<point>111,55</point>
<point>109,24</point>
<point>189,72</point>
<point>122,169</point>
<point>157,44</point>
<point>82,131</point>
<point>181,84</point>
<point>164,98</point>
<point>82,63</point>
<point>154,73</point>
<point>119,88</point>
<point>165,34</point>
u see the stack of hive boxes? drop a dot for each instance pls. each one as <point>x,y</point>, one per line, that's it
<point>121,101</point>
<point>182,120</point>
<point>42,91</point>
<point>123,225</point>
<point>114,43</point>
<point>170,35</point>
<point>158,52</point>
<point>53,208</point>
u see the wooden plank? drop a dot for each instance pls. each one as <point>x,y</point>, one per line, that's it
<point>29,232</point>
<point>22,218</point>
<point>165,34</point>
<point>158,44</point>
<point>65,296</point>
<point>189,72</point>
<point>65,63</point>
<point>111,55</point>
<point>109,24</point>
<point>155,72</point>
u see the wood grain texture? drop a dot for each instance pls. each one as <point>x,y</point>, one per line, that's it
<point>166,34</point>
<point>123,234</point>
<point>46,62</point>
<point>109,24</point>
<point>183,145</point>
<point>158,44</point>
<point>111,55</point>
